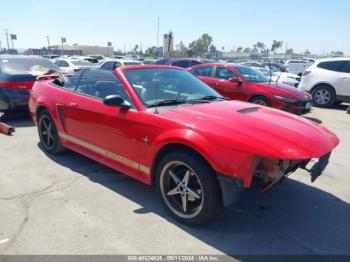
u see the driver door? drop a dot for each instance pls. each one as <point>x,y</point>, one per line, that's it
<point>227,88</point>
<point>107,134</point>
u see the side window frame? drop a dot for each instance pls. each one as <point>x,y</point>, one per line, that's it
<point>216,72</point>
<point>201,67</point>
<point>125,92</point>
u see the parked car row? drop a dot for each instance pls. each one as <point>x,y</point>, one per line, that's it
<point>244,83</point>
<point>263,83</point>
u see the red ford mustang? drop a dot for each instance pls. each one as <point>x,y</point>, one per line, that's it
<point>246,84</point>
<point>163,126</point>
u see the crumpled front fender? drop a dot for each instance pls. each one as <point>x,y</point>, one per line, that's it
<point>222,159</point>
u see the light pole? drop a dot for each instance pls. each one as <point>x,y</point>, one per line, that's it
<point>7,39</point>
<point>63,40</point>
<point>48,42</point>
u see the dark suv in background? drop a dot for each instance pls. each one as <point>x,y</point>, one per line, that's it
<point>183,62</point>
<point>17,76</point>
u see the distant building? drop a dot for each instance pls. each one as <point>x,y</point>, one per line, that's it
<point>74,50</point>
<point>91,50</point>
<point>52,51</point>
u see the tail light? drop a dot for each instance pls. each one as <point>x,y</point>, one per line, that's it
<point>16,85</point>
<point>77,69</point>
<point>306,73</point>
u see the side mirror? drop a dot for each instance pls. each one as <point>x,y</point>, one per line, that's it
<point>236,80</point>
<point>117,101</point>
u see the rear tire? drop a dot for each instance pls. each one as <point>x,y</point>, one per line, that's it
<point>323,96</point>
<point>48,134</point>
<point>188,188</point>
<point>260,100</point>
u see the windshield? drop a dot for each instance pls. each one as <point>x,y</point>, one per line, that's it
<point>252,75</point>
<point>81,63</point>
<point>155,85</point>
<point>33,66</point>
<point>275,69</point>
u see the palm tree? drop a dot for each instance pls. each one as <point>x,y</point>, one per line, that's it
<point>276,45</point>
<point>170,40</point>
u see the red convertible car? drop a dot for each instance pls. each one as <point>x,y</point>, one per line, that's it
<point>247,84</point>
<point>164,127</point>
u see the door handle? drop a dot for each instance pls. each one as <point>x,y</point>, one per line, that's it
<point>73,104</point>
<point>345,78</point>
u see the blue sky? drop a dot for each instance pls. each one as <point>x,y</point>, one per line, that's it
<point>317,25</point>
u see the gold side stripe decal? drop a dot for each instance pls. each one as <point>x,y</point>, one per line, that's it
<point>106,153</point>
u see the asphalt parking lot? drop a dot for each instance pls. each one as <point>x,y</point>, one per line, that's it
<point>69,204</point>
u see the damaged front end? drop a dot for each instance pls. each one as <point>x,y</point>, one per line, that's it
<point>273,171</point>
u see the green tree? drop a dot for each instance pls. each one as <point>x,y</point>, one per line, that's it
<point>118,52</point>
<point>276,45</point>
<point>136,48</point>
<point>337,53</point>
<point>239,49</point>
<point>260,46</point>
<point>247,50</point>
<point>200,46</point>
<point>289,51</point>
<point>151,51</point>
<point>212,49</point>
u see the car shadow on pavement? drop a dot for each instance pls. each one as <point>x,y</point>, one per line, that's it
<point>292,218</point>
<point>340,107</point>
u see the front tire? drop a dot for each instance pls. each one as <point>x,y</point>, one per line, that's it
<point>188,188</point>
<point>260,100</point>
<point>323,96</point>
<point>48,134</point>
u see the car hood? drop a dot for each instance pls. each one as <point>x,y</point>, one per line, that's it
<point>285,90</point>
<point>254,129</point>
<point>282,79</point>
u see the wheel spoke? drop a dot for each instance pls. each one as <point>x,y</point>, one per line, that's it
<point>184,202</point>
<point>48,140</point>
<point>50,134</point>
<point>186,179</point>
<point>174,177</point>
<point>192,193</point>
<point>174,191</point>
<point>45,124</point>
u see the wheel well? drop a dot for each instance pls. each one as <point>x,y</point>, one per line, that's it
<point>323,84</point>
<point>255,96</point>
<point>172,148</point>
<point>39,110</point>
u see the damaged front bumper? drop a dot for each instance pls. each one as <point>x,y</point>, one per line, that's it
<point>318,168</point>
<point>271,172</point>
<point>315,171</point>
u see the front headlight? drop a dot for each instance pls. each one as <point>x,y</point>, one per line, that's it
<point>285,99</point>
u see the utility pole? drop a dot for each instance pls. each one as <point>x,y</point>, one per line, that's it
<point>48,42</point>
<point>158,40</point>
<point>7,39</point>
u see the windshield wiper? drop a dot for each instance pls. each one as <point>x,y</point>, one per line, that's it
<point>208,98</point>
<point>168,102</point>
